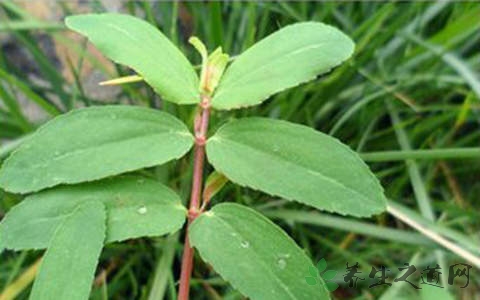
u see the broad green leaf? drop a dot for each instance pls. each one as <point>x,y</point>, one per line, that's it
<point>68,267</point>
<point>257,257</point>
<point>93,143</point>
<point>136,43</point>
<point>135,206</point>
<point>286,58</point>
<point>297,163</point>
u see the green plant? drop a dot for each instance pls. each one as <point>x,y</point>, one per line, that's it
<point>325,274</point>
<point>77,205</point>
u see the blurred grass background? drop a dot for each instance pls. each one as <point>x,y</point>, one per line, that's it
<point>408,101</point>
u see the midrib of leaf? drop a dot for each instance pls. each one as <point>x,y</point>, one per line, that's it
<point>83,150</point>
<point>62,218</point>
<point>59,227</point>
<point>60,215</point>
<point>37,288</point>
<point>63,215</point>
<point>122,30</point>
<point>120,109</point>
<point>286,161</point>
<point>269,64</point>
<point>47,219</point>
<point>264,265</point>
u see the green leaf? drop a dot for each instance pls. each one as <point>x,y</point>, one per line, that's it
<point>288,57</point>
<point>331,286</point>
<point>135,206</point>
<point>297,163</point>
<point>94,143</point>
<point>217,62</point>
<point>257,257</point>
<point>329,275</point>
<point>213,66</point>
<point>136,43</point>
<point>311,280</point>
<point>68,267</point>
<point>313,271</point>
<point>321,265</point>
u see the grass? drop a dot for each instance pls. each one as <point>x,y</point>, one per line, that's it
<point>408,101</point>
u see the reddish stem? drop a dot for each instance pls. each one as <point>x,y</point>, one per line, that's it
<point>195,197</point>
<point>187,266</point>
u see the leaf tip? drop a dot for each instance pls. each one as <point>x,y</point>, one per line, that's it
<point>199,46</point>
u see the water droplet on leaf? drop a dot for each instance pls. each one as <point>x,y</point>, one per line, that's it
<point>245,244</point>
<point>281,263</point>
<point>142,210</point>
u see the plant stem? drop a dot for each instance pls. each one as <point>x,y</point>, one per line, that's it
<point>201,128</point>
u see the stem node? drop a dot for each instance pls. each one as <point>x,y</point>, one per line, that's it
<point>200,141</point>
<point>193,213</point>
